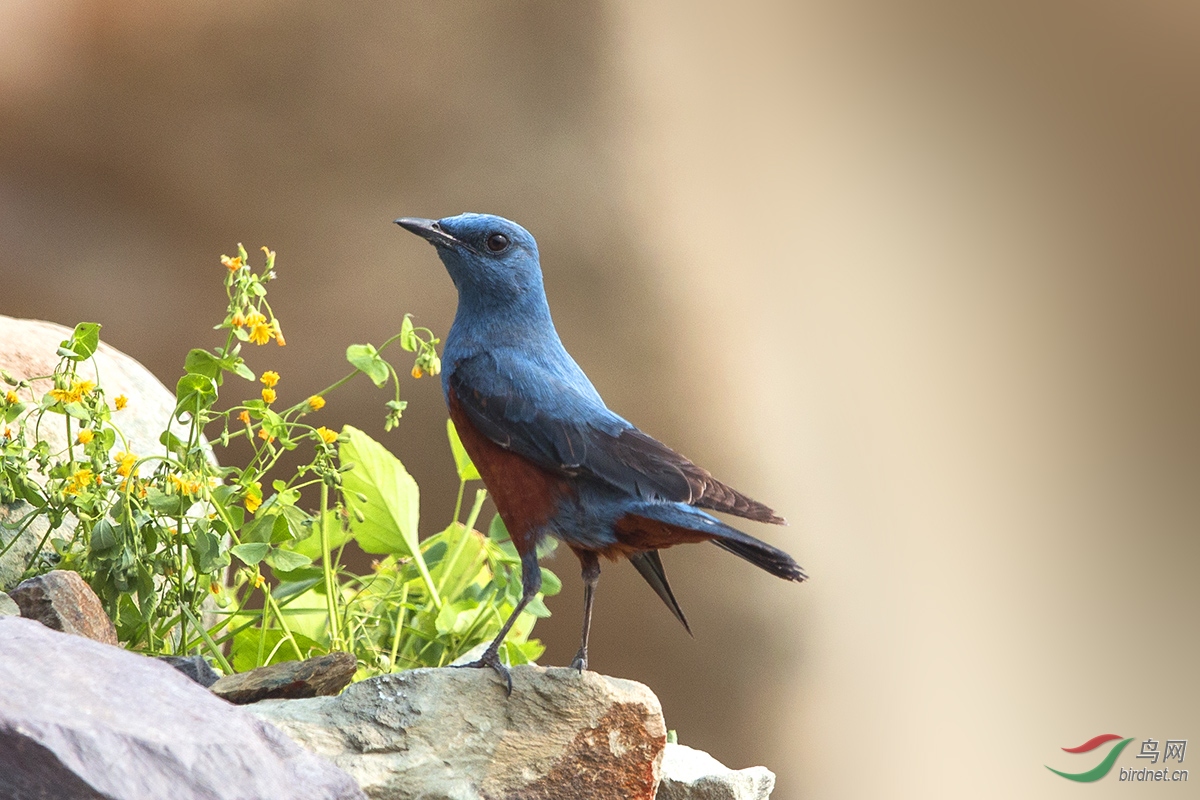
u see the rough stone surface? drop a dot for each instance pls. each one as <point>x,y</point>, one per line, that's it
<point>27,349</point>
<point>8,606</point>
<point>314,677</point>
<point>195,667</point>
<point>18,554</point>
<point>80,719</point>
<point>62,601</point>
<point>689,774</point>
<point>561,735</point>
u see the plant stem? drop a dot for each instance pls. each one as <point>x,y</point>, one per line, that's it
<point>287,632</point>
<point>213,647</point>
<point>327,569</point>
<point>452,561</point>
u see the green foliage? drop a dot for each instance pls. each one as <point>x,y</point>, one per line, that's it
<point>188,556</point>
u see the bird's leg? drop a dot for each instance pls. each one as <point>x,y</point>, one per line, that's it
<point>531,584</point>
<point>591,577</point>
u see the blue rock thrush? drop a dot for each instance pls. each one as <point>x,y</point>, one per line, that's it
<point>556,461</point>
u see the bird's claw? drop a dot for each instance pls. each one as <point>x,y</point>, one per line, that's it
<point>580,661</point>
<point>491,658</point>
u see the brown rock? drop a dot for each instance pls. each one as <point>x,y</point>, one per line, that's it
<point>315,677</point>
<point>453,734</point>
<point>62,601</point>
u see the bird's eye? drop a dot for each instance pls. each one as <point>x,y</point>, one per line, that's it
<point>497,242</point>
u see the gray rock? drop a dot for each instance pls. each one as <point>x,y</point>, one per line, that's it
<point>689,774</point>
<point>8,606</point>
<point>195,667</point>
<point>27,349</point>
<point>62,601</point>
<point>313,677</point>
<point>28,534</point>
<point>81,719</point>
<point>452,734</point>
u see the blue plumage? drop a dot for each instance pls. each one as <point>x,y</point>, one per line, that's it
<point>555,458</point>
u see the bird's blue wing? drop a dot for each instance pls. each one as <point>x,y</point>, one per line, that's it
<point>550,414</point>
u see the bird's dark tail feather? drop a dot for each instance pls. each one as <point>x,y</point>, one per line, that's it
<point>762,555</point>
<point>650,566</point>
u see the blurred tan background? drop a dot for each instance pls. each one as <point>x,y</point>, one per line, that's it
<point>926,279</point>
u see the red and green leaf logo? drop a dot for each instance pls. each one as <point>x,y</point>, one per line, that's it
<point>1100,770</point>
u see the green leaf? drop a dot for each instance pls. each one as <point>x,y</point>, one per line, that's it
<point>462,461</point>
<point>77,411</point>
<point>286,560</point>
<point>408,336</point>
<point>392,505</point>
<point>83,342</point>
<point>245,649</point>
<point>310,545</point>
<point>250,553</point>
<point>209,556</point>
<point>171,505</point>
<point>13,411</point>
<point>262,529</point>
<point>173,443</point>
<point>193,393</point>
<point>551,585</point>
<point>497,531</point>
<point>367,358</point>
<point>202,362</point>
<point>238,367</point>
<point>104,537</point>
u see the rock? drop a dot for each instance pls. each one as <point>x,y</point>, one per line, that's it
<point>314,677</point>
<point>80,719</point>
<point>27,349</point>
<point>195,667</point>
<point>62,601</point>
<point>452,734</point>
<point>8,606</point>
<point>19,554</point>
<point>689,774</point>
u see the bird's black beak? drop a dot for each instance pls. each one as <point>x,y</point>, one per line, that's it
<point>430,231</point>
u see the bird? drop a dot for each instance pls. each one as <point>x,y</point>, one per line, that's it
<point>555,460</point>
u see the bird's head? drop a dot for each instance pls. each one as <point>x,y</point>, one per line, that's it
<point>490,259</point>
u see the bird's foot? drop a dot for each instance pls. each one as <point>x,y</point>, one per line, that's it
<point>491,658</point>
<point>581,660</point>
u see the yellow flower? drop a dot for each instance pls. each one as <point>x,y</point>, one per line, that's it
<point>121,402</point>
<point>268,395</point>
<point>316,402</point>
<point>75,393</point>
<point>253,498</point>
<point>237,319</point>
<point>279,340</point>
<point>79,481</point>
<point>85,436</point>
<point>259,581</point>
<point>327,436</point>
<point>260,331</point>
<point>416,371</point>
<point>232,264</point>
<point>125,462</point>
<point>270,378</point>
<point>244,417</point>
<point>260,334</point>
<point>215,588</point>
<point>11,398</point>
<point>262,432</point>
